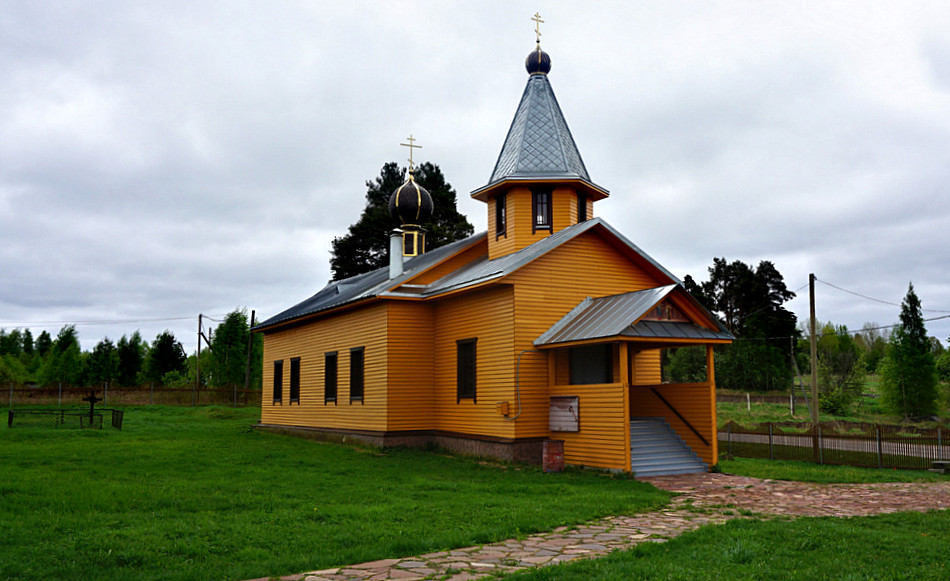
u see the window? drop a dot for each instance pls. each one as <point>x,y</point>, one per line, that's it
<point>542,210</point>
<point>501,215</point>
<point>356,374</point>
<point>329,377</point>
<point>278,380</point>
<point>466,386</point>
<point>581,207</point>
<point>295,380</point>
<point>591,364</point>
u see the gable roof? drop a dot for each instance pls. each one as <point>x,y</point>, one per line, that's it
<point>479,271</point>
<point>539,144</point>
<point>369,284</point>
<point>619,316</point>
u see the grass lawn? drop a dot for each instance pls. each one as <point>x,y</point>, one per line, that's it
<point>808,472</point>
<point>910,546</point>
<point>195,493</point>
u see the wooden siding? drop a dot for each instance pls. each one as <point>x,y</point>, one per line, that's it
<point>519,232</point>
<point>546,290</point>
<point>645,367</point>
<point>604,426</point>
<point>359,328</point>
<point>692,401</point>
<point>410,394</point>
<point>487,316</point>
<point>450,265</point>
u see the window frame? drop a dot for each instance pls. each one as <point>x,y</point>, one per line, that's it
<point>466,360</point>
<point>295,380</point>
<point>331,377</point>
<point>501,215</point>
<point>278,385</point>
<point>357,374</point>
<point>542,202</point>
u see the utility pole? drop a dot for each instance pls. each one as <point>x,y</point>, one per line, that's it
<point>247,368</point>
<point>814,361</point>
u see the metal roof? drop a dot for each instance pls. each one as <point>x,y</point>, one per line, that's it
<point>618,315</point>
<point>369,284</point>
<point>539,143</point>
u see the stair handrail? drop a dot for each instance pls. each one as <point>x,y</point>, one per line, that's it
<point>679,415</point>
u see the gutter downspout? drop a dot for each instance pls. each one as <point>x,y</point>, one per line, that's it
<point>395,253</point>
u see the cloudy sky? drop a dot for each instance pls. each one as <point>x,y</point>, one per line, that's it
<point>164,159</point>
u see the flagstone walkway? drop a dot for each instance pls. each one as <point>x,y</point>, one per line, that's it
<point>702,499</point>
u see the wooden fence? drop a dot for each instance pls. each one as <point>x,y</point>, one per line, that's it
<point>845,443</point>
<point>19,395</point>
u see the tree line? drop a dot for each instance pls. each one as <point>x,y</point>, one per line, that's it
<point>131,361</point>
<point>772,349</point>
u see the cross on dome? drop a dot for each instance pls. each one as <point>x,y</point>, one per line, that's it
<point>411,145</point>
<point>537,25</point>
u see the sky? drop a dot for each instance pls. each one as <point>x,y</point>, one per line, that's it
<point>164,159</point>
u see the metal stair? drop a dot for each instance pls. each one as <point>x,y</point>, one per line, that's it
<point>655,449</point>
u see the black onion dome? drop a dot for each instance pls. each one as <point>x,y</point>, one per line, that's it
<point>410,203</point>
<point>538,62</point>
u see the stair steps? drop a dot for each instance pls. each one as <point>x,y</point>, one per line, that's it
<point>655,449</point>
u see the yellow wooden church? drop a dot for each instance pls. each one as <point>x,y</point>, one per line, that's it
<point>547,327</point>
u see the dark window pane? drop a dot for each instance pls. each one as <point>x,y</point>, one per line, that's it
<point>356,374</point>
<point>329,377</point>
<point>591,364</point>
<point>466,387</point>
<point>295,380</point>
<point>278,381</point>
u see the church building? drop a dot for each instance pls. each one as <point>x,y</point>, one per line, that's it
<point>548,327</point>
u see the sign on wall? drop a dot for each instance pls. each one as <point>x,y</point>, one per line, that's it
<point>564,415</point>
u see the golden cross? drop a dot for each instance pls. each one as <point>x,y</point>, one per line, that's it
<point>411,146</point>
<point>537,25</point>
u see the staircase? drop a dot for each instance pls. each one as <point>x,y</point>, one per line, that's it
<point>655,449</point>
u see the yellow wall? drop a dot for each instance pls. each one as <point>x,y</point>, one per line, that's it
<point>550,287</point>
<point>410,395</point>
<point>488,316</point>
<point>520,232</point>
<point>363,327</point>
<point>693,402</point>
<point>603,439</point>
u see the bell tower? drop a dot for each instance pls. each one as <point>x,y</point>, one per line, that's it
<point>540,184</point>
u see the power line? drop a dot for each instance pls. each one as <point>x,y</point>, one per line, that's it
<point>98,322</point>
<point>857,294</point>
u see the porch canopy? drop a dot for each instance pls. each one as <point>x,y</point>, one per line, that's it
<point>666,316</point>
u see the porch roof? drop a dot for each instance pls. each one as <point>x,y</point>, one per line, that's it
<point>619,316</point>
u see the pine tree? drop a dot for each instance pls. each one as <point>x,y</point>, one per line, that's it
<point>908,372</point>
<point>365,246</point>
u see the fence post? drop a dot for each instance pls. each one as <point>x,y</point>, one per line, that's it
<point>59,399</point>
<point>821,447</point>
<point>880,449</point>
<point>939,444</point>
<point>748,402</point>
<point>105,389</point>
<point>791,403</point>
<point>151,393</point>
<point>729,440</point>
<point>11,394</point>
<point>771,448</point>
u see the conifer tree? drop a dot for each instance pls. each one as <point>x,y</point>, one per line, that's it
<point>908,372</point>
<point>365,246</point>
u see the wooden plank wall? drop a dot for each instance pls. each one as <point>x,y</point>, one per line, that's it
<point>550,287</point>
<point>520,214</point>
<point>645,367</point>
<point>411,395</point>
<point>601,441</point>
<point>693,402</point>
<point>488,316</point>
<point>364,327</point>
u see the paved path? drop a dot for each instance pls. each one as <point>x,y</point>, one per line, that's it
<point>703,499</point>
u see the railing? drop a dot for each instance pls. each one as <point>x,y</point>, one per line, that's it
<point>62,418</point>
<point>680,416</point>
<point>878,446</point>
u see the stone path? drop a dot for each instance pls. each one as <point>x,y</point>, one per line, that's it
<point>702,499</point>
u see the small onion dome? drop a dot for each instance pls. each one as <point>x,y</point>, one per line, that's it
<point>538,62</point>
<point>410,203</point>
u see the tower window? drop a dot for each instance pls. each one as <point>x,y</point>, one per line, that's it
<point>542,210</point>
<point>581,207</point>
<point>501,215</point>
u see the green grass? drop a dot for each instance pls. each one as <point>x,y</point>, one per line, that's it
<point>195,493</point>
<point>808,472</point>
<point>908,546</point>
